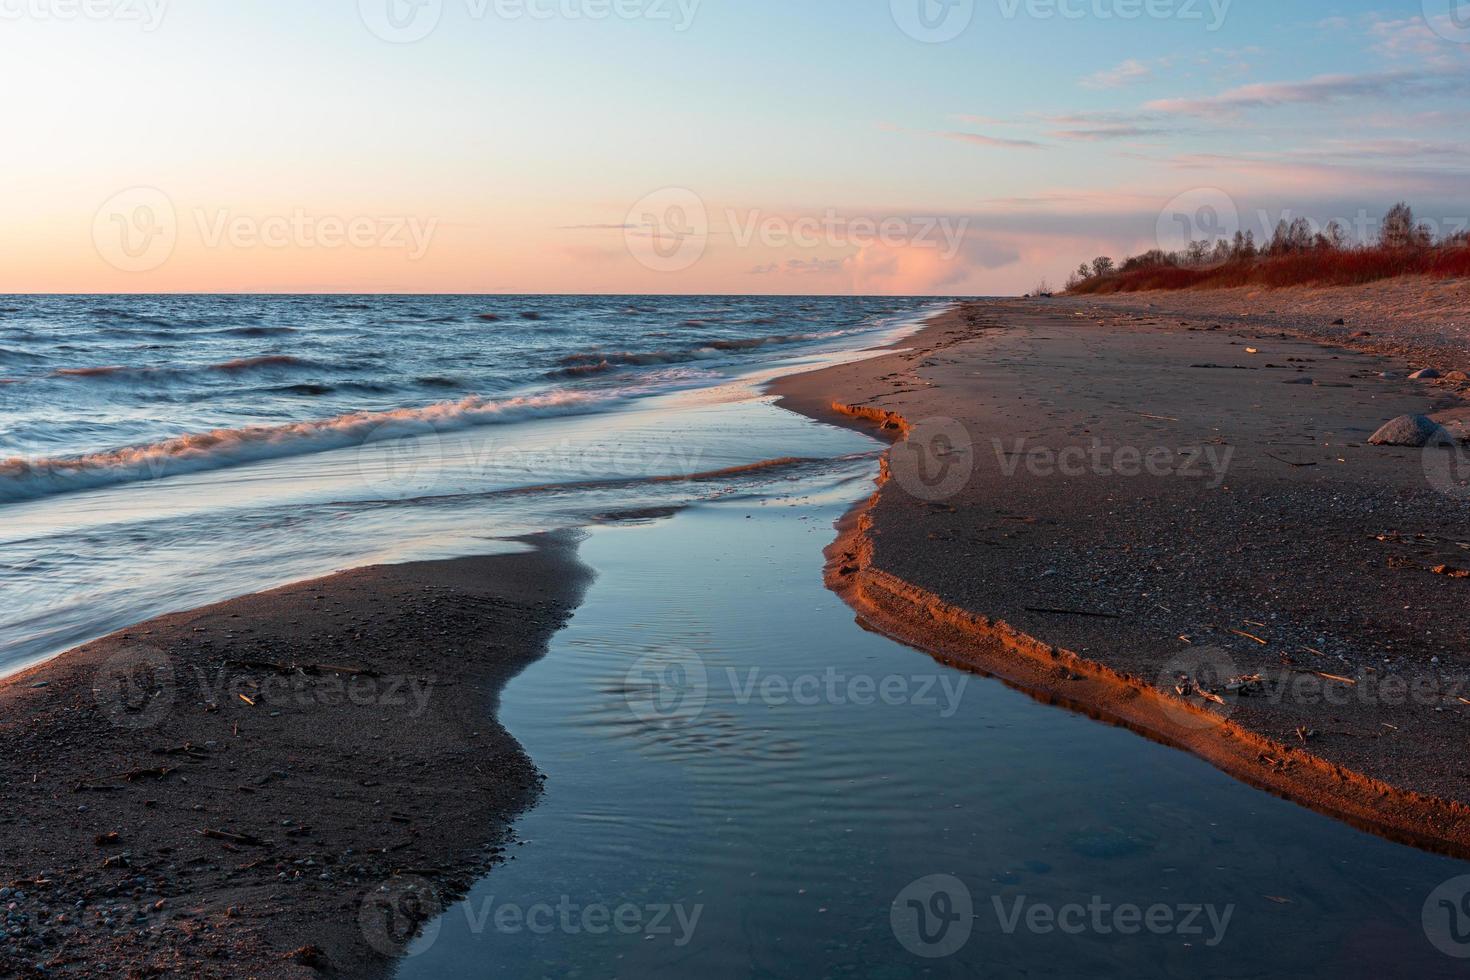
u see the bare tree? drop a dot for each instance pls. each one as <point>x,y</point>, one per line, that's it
<point>1398,229</point>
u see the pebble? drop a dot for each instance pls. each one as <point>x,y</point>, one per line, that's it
<point>1428,374</point>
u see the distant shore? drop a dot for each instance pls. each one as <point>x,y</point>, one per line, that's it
<point>1176,524</point>
<point>279,784</point>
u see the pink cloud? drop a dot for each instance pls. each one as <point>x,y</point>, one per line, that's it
<point>980,139</point>
<point>1130,72</point>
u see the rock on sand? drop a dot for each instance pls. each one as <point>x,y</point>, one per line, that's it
<point>1407,430</point>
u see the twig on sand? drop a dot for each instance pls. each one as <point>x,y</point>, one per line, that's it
<point>1251,636</point>
<point>1335,677</point>
<point>246,839</point>
<point>1071,612</point>
<point>1287,461</point>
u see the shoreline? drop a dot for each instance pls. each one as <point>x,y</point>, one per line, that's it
<point>167,700</point>
<point>886,588</point>
<point>260,785</point>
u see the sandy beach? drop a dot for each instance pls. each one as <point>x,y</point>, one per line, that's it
<point>275,786</point>
<point>1413,319</point>
<point>1161,522</point>
<point>1178,526</point>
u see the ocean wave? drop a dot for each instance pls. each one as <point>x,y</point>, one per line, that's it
<point>264,362</point>
<point>314,390</point>
<point>267,361</point>
<point>752,343</point>
<point>22,479</point>
<point>128,316</point>
<point>95,372</point>
<point>584,363</point>
<point>255,331</point>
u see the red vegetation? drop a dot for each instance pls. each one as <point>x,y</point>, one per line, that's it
<point>1319,267</point>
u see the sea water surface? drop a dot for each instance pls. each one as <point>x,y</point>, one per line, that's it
<point>741,780</point>
<point>158,453</point>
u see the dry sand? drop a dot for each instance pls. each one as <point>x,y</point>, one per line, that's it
<point>1270,543</point>
<point>275,785</point>
<point>1420,321</point>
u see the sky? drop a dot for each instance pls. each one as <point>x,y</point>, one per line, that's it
<point>949,147</point>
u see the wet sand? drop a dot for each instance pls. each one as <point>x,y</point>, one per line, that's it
<point>1178,527</point>
<point>274,785</point>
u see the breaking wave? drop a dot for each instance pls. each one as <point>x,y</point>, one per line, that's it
<point>22,479</point>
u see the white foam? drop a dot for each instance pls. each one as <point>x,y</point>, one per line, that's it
<point>29,479</point>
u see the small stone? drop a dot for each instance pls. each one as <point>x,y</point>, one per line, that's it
<point>1428,374</point>
<point>1407,430</point>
